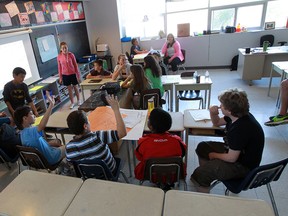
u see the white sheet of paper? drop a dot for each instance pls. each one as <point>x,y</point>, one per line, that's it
<point>200,115</point>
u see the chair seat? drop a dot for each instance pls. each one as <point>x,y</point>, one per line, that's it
<point>190,95</point>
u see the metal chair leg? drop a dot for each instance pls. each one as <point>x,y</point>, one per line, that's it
<point>272,199</point>
<point>124,176</point>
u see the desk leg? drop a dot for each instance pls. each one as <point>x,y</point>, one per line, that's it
<point>186,142</point>
<point>270,81</point>
<point>63,139</point>
<point>128,157</point>
<point>278,102</point>
<point>82,90</point>
<point>171,98</point>
<point>209,98</point>
<point>176,102</point>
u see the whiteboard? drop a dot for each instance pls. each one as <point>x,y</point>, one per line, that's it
<point>16,51</point>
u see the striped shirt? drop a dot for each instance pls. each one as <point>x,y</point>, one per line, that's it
<point>91,146</point>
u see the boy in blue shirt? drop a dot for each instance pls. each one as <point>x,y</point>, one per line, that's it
<point>31,136</point>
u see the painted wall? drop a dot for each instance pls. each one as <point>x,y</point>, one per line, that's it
<point>208,50</point>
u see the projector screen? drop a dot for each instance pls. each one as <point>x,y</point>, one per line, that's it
<point>16,51</point>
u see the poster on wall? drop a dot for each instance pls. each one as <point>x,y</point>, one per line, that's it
<point>5,20</point>
<point>39,17</point>
<point>29,7</point>
<point>12,9</point>
<point>24,18</point>
<point>47,47</point>
<point>54,16</point>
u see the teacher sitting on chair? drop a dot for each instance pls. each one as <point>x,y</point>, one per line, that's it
<point>172,52</point>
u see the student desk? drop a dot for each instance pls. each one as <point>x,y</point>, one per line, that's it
<point>88,85</point>
<point>175,83</point>
<point>178,203</point>
<point>177,123</point>
<point>257,64</point>
<point>139,58</point>
<point>38,193</point>
<point>98,197</point>
<point>199,128</point>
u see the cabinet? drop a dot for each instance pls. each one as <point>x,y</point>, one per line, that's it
<point>51,84</point>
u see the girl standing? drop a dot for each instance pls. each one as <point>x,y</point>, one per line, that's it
<point>69,73</point>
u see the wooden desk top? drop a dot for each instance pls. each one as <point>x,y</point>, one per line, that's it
<point>97,197</point>
<point>36,193</point>
<point>178,203</point>
<point>189,122</point>
<point>104,80</point>
<point>58,119</point>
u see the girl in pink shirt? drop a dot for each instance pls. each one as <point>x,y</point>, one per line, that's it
<point>172,52</point>
<point>69,73</point>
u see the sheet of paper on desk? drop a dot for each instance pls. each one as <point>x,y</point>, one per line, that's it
<point>200,115</point>
<point>132,117</point>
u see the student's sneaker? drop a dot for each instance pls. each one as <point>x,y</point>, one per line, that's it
<point>79,103</point>
<point>71,106</point>
<point>277,120</point>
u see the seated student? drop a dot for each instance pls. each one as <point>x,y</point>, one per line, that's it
<point>31,136</point>
<point>135,82</point>
<point>122,69</point>
<point>99,71</point>
<point>91,145</point>
<point>243,143</point>
<point>153,73</point>
<point>158,58</point>
<point>159,143</point>
<point>135,48</point>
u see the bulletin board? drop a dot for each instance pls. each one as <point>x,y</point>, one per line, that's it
<point>17,14</point>
<point>47,47</point>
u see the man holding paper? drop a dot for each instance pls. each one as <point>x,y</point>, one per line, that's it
<point>243,144</point>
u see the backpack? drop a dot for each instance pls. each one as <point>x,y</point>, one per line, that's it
<point>234,63</point>
<point>9,138</point>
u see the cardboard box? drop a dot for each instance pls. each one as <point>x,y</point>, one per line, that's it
<point>102,47</point>
<point>183,30</point>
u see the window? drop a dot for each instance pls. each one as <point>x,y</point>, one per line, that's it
<point>222,18</point>
<point>146,18</point>
<point>277,11</point>
<point>140,19</point>
<point>250,17</point>
<point>197,19</point>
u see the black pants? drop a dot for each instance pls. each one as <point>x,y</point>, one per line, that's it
<point>174,63</point>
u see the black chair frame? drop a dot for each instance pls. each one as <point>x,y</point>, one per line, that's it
<point>98,169</point>
<point>33,158</point>
<point>262,175</point>
<point>146,95</point>
<point>163,171</point>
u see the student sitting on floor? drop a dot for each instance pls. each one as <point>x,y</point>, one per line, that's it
<point>31,136</point>
<point>99,71</point>
<point>91,145</point>
<point>159,143</point>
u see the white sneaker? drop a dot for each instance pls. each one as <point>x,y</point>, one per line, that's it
<point>71,106</point>
<point>79,103</point>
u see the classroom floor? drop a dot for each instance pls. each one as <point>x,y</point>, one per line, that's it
<point>261,106</point>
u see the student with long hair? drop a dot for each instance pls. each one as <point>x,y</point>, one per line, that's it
<point>172,52</point>
<point>122,69</point>
<point>135,82</point>
<point>69,73</point>
<point>153,73</point>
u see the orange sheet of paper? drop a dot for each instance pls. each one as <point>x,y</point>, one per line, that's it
<point>102,118</point>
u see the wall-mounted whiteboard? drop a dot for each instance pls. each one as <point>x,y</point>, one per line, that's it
<point>16,51</point>
<point>47,47</point>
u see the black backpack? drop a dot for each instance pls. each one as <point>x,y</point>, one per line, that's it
<point>9,138</point>
<point>234,63</point>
